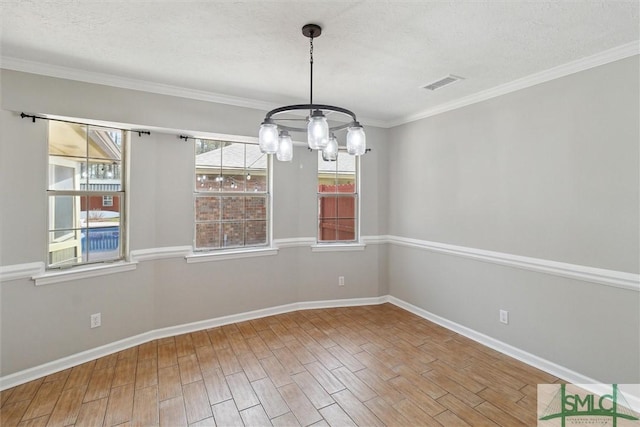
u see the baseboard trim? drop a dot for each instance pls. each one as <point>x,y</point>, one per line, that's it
<point>49,368</point>
<point>552,368</point>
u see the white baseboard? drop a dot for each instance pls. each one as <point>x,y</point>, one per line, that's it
<point>49,368</point>
<point>509,350</point>
<point>554,369</point>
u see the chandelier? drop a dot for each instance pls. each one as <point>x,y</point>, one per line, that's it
<point>274,137</point>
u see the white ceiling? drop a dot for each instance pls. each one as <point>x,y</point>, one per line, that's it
<point>372,57</point>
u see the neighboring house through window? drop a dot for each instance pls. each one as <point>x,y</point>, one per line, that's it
<point>85,194</point>
<point>231,195</point>
<point>338,199</point>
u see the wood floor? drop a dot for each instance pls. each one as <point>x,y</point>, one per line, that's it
<point>366,366</point>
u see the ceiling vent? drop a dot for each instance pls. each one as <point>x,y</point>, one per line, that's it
<point>440,83</point>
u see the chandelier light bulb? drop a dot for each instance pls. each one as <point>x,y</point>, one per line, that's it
<point>285,147</point>
<point>356,140</point>
<point>330,152</point>
<point>268,137</point>
<point>317,131</point>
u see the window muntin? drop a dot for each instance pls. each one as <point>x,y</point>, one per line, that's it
<point>231,195</point>
<point>338,199</point>
<point>85,169</point>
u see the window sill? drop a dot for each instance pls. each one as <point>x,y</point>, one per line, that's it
<point>338,247</point>
<point>82,272</point>
<point>229,254</point>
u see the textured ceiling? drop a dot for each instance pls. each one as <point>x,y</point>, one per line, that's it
<point>372,57</point>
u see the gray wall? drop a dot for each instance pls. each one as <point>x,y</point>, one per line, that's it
<point>44,323</point>
<point>550,172</point>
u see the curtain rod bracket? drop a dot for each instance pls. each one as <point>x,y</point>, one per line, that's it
<point>31,116</point>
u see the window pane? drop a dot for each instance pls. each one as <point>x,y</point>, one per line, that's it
<point>338,176</point>
<point>101,243</point>
<point>208,235</point>
<point>96,214</point>
<point>232,234</point>
<point>345,229</point>
<point>346,207</point>
<point>67,139</point>
<point>207,208</point>
<point>255,207</point>
<point>208,165</point>
<point>208,180</point>
<point>101,238</point>
<point>233,207</point>
<point>64,213</point>
<point>101,176</point>
<point>327,207</point>
<point>255,169</point>
<point>64,173</point>
<point>327,230</point>
<point>65,247</point>
<point>255,233</point>
<point>337,229</point>
<point>104,144</point>
<point>256,181</point>
<point>232,181</point>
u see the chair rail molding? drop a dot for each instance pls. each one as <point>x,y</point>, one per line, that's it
<point>614,278</point>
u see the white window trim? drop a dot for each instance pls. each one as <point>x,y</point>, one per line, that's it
<point>338,247</point>
<point>83,271</point>
<point>222,255</point>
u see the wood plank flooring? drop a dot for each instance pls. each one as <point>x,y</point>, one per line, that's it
<point>356,366</point>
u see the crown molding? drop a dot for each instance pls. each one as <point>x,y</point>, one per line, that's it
<point>33,67</point>
<point>61,72</point>
<point>602,58</point>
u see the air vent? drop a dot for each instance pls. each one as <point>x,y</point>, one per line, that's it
<point>445,81</point>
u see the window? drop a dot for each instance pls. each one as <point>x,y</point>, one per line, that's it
<point>338,199</point>
<point>85,194</point>
<point>231,195</point>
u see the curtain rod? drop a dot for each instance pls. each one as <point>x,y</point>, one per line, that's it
<point>34,117</point>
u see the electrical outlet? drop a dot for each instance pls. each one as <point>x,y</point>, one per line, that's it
<point>504,317</point>
<point>340,280</point>
<point>96,320</point>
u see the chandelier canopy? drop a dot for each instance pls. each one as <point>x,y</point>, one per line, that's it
<point>274,135</point>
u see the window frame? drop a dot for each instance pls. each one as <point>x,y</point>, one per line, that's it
<point>357,196</point>
<point>50,194</point>
<point>208,253</point>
